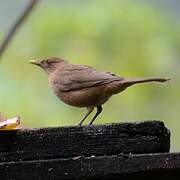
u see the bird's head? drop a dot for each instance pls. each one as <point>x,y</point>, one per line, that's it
<point>49,65</point>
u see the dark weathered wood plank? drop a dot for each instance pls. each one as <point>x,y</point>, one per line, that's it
<point>61,142</point>
<point>103,167</point>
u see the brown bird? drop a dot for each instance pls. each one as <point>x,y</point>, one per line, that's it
<point>85,86</point>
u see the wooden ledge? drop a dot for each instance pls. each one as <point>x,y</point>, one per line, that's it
<point>98,140</point>
<point>162,165</point>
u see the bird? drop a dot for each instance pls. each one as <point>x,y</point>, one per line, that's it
<point>85,86</point>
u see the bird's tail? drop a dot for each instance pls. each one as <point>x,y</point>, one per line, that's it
<point>123,83</point>
<point>131,81</point>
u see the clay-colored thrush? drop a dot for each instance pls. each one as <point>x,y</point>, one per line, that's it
<point>84,86</point>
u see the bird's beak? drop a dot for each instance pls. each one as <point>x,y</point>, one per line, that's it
<point>38,63</point>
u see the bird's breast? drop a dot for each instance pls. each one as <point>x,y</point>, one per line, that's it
<point>83,97</point>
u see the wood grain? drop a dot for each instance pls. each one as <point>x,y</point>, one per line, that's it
<point>98,140</point>
<point>163,165</point>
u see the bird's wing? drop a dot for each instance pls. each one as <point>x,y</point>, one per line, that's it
<point>79,77</point>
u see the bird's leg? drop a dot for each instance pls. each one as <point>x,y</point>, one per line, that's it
<point>99,110</point>
<point>89,111</point>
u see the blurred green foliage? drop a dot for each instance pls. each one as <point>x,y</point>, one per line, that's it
<point>124,37</point>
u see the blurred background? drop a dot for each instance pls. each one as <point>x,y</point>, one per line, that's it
<point>130,38</point>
